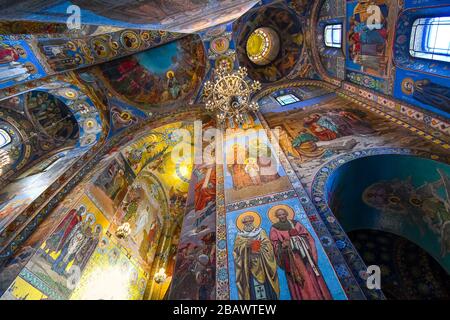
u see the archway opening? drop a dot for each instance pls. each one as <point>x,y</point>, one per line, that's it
<point>402,195</point>
<point>408,271</point>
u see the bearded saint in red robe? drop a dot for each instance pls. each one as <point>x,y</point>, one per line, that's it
<point>296,254</point>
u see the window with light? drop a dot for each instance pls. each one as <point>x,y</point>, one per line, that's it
<point>287,99</point>
<point>5,138</point>
<point>333,35</point>
<point>430,39</point>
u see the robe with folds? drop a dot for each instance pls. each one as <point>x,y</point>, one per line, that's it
<point>433,94</point>
<point>204,195</point>
<point>255,260</point>
<point>305,144</point>
<point>324,134</point>
<point>303,282</point>
<point>241,179</point>
<point>62,232</point>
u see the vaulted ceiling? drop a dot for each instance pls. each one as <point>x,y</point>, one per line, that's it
<point>185,16</point>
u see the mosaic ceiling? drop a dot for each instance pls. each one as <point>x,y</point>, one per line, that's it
<point>169,15</point>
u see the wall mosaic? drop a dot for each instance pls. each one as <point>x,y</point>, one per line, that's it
<point>368,48</point>
<point>27,57</point>
<point>234,279</point>
<point>18,63</point>
<point>421,82</point>
<point>139,185</point>
<point>117,196</point>
<point>319,195</point>
<point>17,253</point>
<point>271,108</point>
<point>278,273</point>
<point>332,126</point>
<point>196,255</point>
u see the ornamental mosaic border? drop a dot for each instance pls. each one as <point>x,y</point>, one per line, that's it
<point>292,83</point>
<point>348,271</point>
<point>258,201</point>
<point>222,274</point>
<point>68,34</point>
<point>428,119</point>
<point>83,46</point>
<point>40,285</point>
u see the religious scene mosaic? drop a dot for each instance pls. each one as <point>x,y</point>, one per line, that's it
<point>314,132</point>
<point>331,154</point>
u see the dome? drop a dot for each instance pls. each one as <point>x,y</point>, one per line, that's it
<point>263,46</point>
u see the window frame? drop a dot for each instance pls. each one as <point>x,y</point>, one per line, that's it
<point>425,30</point>
<point>283,103</point>
<point>6,137</point>
<point>333,27</point>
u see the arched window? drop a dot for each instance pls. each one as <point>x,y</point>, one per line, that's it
<point>333,35</point>
<point>5,138</point>
<point>430,39</point>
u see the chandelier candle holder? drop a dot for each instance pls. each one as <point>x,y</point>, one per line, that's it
<point>160,276</point>
<point>4,160</point>
<point>229,95</point>
<point>123,231</point>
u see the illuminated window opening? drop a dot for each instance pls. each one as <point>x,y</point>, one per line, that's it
<point>430,39</point>
<point>5,138</point>
<point>333,35</point>
<point>287,99</point>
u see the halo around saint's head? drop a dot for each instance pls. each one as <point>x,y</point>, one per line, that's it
<point>256,217</point>
<point>273,210</point>
<point>170,74</point>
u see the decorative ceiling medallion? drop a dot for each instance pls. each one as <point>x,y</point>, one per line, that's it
<point>115,45</point>
<point>225,62</point>
<point>101,47</point>
<point>220,45</point>
<point>145,36</point>
<point>408,86</point>
<point>130,40</point>
<point>263,46</point>
<point>68,93</point>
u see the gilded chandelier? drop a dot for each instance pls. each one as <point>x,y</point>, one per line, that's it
<point>229,95</point>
